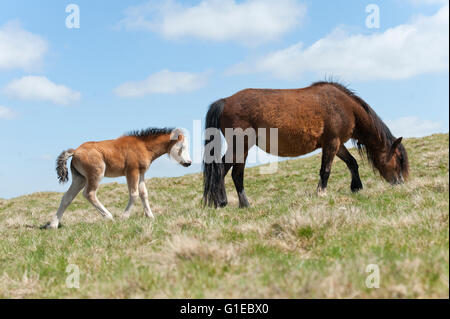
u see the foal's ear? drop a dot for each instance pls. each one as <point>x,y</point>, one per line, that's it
<point>176,134</point>
<point>394,146</point>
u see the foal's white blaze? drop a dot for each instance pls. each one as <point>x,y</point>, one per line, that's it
<point>180,150</point>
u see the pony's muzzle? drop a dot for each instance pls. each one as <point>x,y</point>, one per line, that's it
<point>398,180</point>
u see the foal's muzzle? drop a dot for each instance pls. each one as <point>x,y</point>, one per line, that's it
<point>186,164</point>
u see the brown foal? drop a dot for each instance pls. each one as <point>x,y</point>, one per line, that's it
<point>129,155</point>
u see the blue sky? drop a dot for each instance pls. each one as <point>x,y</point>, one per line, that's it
<point>137,64</point>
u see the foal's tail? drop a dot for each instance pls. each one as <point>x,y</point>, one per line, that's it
<point>61,165</point>
<point>213,169</point>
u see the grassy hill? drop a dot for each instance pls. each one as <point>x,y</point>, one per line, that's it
<point>290,244</point>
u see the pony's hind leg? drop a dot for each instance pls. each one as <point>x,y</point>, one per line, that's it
<point>144,196</point>
<point>239,158</point>
<point>226,168</point>
<point>90,192</point>
<point>238,179</point>
<point>133,190</point>
<point>352,165</point>
<point>329,151</point>
<point>78,182</point>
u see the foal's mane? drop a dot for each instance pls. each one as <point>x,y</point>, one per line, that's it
<point>151,131</point>
<point>384,135</point>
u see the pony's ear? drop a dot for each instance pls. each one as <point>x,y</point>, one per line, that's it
<point>393,147</point>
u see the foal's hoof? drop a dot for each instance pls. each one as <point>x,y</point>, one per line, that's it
<point>49,226</point>
<point>125,216</point>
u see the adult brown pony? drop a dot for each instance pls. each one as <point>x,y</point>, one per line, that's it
<point>129,155</point>
<point>324,115</point>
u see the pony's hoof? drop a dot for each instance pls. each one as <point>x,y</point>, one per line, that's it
<point>321,192</point>
<point>244,205</point>
<point>222,204</point>
<point>356,187</point>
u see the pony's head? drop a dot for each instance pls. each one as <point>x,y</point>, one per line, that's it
<point>393,163</point>
<point>179,148</point>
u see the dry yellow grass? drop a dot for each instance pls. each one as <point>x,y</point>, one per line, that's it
<point>289,244</point>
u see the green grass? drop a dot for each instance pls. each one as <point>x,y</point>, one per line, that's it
<point>289,244</point>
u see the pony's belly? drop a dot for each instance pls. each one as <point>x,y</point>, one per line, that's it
<point>291,145</point>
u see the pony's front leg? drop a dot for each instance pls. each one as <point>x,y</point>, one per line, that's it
<point>329,151</point>
<point>132,181</point>
<point>352,165</point>
<point>144,196</point>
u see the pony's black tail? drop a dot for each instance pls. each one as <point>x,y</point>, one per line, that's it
<point>213,170</point>
<point>61,165</point>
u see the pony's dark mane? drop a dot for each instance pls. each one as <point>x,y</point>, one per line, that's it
<point>383,133</point>
<point>151,131</point>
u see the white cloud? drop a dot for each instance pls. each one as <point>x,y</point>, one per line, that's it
<point>429,2</point>
<point>412,126</point>
<point>40,88</point>
<point>250,21</point>
<point>164,81</point>
<point>6,113</point>
<point>418,47</point>
<point>20,48</point>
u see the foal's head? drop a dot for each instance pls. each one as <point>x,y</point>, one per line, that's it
<point>393,163</point>
<point>179,148</point>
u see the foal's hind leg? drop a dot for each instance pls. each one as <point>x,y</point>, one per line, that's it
<point>78,182</point>
<point>90,192</point>
<point>329,150</point>
<point>352,165</point>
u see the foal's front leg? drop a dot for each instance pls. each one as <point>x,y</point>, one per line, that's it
<point>132,181</point>
<point>144,196</point>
